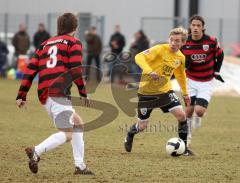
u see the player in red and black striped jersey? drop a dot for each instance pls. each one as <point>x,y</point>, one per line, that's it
<point>204,59</point>
<point>54,61</point>
<point>58,63</point>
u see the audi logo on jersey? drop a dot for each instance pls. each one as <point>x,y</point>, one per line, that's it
<point>198,57</point>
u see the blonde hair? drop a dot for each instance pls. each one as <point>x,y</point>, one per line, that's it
<point>181,31</point>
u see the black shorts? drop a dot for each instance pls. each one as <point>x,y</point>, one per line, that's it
<point>199,101</point>
<point>146,103</point>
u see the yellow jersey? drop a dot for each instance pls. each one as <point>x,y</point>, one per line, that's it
<point>165,63</point>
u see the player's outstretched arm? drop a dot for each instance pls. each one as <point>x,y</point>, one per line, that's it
<point>142,58</point>
<point>75,69</point>
<point>29,74</point>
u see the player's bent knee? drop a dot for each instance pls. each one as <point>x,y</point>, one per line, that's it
<point>77,121</point>
<point>181,116</point>
<point>69,136</point>
<point>199,110</point>
<point>68,132</point>
<point>142,124</point>
<point>64,122</point>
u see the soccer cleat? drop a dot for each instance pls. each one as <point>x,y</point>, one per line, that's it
<point>33,159</point>
<point>85,171</point>
<point>188,152</point>
<point>128,143</point>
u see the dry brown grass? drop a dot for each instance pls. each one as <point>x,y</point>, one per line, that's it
<point>216,143</point>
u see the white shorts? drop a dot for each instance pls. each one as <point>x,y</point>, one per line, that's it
<point>60,111</point>
<point>199,89</point>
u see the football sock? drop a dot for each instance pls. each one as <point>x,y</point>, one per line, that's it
<point>133,130</point>
<point>183,131</point>
<point>189,135</point>
<point>78,149</point>
<point>189,123</point>
<point>197,122</point>
<point>51,142</point>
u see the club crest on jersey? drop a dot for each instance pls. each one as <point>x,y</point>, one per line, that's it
<point>205,47</point>
<point>177,62</point>
<point>143,111</point>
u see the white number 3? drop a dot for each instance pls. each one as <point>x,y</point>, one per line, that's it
<point>53,57</point>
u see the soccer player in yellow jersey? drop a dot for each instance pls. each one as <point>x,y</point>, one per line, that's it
<point>158,64</point>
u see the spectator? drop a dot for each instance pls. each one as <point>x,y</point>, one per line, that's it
<point>3,58</point>
<point>139,44</point>
<point>116,43</point>
<point>94,48</point>
<point>21,43</point>
<point>40,36</point>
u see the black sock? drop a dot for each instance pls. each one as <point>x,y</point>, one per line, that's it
<point>133,130</point>
<point>183,131</point>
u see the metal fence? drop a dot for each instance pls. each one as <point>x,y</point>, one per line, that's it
<point>9,24</point>
<point>226,30</point>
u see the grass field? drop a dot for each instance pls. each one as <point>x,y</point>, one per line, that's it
<point>217,145</point>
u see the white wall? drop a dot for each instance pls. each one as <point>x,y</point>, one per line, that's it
<point>127,13</point>
<point>219,8</point>
<point>229,12</point>
<point>184,8</point>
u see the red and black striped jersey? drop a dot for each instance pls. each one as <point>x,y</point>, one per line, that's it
<point>57,62</point>
<point>203,58</point>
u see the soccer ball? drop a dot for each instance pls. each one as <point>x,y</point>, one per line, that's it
<point>175,146</point>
